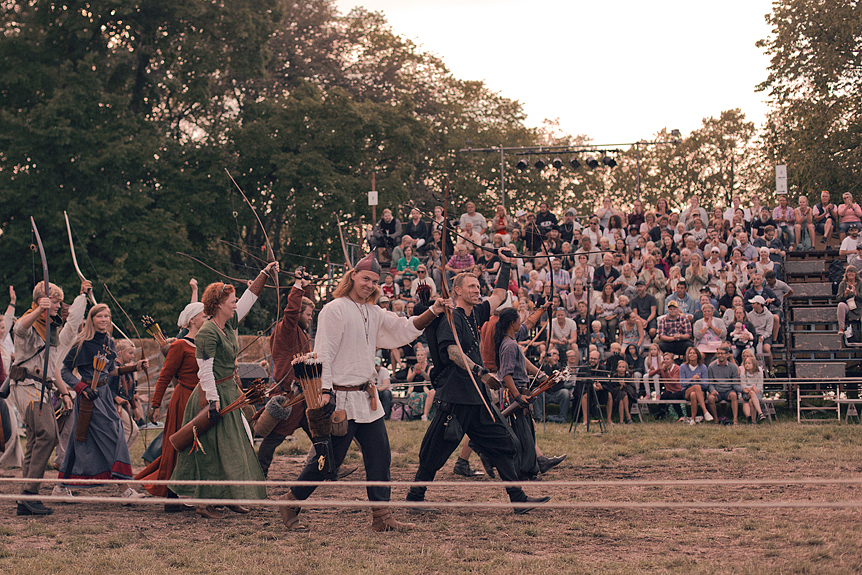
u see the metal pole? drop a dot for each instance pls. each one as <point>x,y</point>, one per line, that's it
<point>638,156</point>
<point>502,177</point>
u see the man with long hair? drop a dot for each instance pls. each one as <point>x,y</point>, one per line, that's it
<point>462,407</point>
<point>350,328</point>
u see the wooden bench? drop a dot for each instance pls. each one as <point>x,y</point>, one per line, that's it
<point>766,404</point>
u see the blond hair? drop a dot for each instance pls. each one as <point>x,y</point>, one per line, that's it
<point>345,286</point>
<point>54,291</point>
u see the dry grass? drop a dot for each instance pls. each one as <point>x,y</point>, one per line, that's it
<point>89,539</point>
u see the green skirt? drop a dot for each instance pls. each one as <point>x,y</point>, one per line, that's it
<point>225,454</point>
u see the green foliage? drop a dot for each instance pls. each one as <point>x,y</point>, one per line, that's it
<point>814,85</point>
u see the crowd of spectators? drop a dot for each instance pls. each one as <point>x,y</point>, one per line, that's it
<point>630,285</point>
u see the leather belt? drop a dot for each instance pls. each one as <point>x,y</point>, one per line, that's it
<point>369,387</point>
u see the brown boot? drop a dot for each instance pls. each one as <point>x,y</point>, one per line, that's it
<point>289,514</point>
<point>383,520</point>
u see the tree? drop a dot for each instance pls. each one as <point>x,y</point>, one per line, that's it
<point>815,90</point>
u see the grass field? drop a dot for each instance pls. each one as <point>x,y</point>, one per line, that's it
<point>108,538</point>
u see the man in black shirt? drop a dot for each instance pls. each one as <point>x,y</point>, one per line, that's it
<point>646,306</point>
<point>460,407</point>
<point>545,219</point>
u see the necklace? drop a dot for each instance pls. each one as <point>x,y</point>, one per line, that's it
<point>364,317</point>
<point>474,329</point>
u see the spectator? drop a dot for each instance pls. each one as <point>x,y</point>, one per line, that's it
<point>851,242</point>
<point>694,380</point>
<point>460,262</point>
<point>825,216</point>
<point>398,251</point>
<point>698,230</point>
<point>669,250</point>
<point>758,224</point>
<point>685,303</point>
<point>407,265</point>
<point>417,229</point>
<point>778,287</point>
<point>723,384</point>
<point>654,279</point>
<point>622,392</point>
<point>764,264</point>
<point>386,235</point>
<point>594,256</point>
<point>502,224</point>
<point>785,218</point>
<point>713,240</point>
<point>646,306</point>
<point>605,273</point>
<point>759,288</point>
<point>763,321</point>
<point>614,228</point>
<point>389,288</point>
<point>749,252</point>
<point>545,219</point>
<point>562,279</point>
<point>755,206</point>
<point>576,295</point>
<point>440,224</point>
<point>692,246</point>
<point>477,220</point>
<point>569,225</point>
<point>560,393</point>
<point>804,224</point>
<point>674,330</point>
<point>736,205</point>
<point>468,232</point>
<point>742,337</point>
<point>605,212</point>
<point>751,381</point>
<point>709,331</point>
<point>726,301</point>
<point>625,283</point>
<point>532,235</point>
<point>848,213</point>
<point>696,277</point>
<point>584,321</point>
<point>597,337</point>
<point>423,280</point>
<point>770,240</point>
<point>605,310</point>
<point>669,374</point>
<point>593,231</point>
<point>849,294</point>
<point>564,332</point>
<point>631,331</point>
<point>420,393</point>
<point>693,208</point>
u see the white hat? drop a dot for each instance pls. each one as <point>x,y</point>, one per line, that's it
<point>758,299</point>
<point>189,312</point>
<point>520,213</point>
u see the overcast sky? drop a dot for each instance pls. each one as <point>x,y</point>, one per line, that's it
<point>617,72</point>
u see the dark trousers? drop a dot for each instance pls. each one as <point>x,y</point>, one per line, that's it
<point>374,443</point>
<point>386,402</point>
<point>266,451</point>
<point>675,347</point>
<point>488,436</point>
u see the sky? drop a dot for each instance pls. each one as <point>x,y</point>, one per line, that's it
<point>616,72</point>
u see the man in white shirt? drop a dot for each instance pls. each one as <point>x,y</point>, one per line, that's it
<point>478,220</point>
<point>851,242</point>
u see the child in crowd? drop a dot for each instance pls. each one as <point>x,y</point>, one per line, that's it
<point>751,379</point>
<point>742,339</point>
<point>597,338</point>
<point>389,288</point>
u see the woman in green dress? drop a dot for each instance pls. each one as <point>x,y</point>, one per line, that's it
<point>225,452</point>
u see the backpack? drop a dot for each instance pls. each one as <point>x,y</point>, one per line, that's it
<point>401,412</point>
<point>836,274</point>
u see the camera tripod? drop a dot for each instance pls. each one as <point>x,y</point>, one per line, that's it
<point>592,402</point>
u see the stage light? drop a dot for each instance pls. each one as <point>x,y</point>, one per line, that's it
<point>574,163</point>
<point>592,163</point>
<point>540,163</point>
<point>522,164</point>
<point>609,161</point>
<point>557,163</point>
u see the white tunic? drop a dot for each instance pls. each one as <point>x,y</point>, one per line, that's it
<point>345,343</point>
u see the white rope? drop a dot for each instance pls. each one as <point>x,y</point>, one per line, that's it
<point>460,484</point>
<point>310,503</point>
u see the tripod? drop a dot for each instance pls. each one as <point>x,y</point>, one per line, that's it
<point>592,401</point>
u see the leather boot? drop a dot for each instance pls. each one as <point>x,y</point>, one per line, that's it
<point>289,514</point>
<point>382,520</point>
<point>208,512</point>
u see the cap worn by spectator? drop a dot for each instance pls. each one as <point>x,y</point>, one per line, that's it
<point>758,299</point>
<point>640,283</point>
<point>672,303</point>
<point>572,212</point>
<point>383,299</point>
<point>520,213</point>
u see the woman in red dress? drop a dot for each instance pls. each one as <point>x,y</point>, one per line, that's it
<point>180,363</point>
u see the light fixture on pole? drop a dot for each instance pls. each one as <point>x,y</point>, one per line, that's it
<point>592,162</point>
<point>574,163</point>
<point>557,163</point>
<point>540,163</point>
<point>609,161</point>
<point>522,164</point>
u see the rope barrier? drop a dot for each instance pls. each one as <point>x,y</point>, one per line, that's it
<point>320,503</point>
<point>460,484</point>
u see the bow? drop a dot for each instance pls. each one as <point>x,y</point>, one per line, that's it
<point>81,275</point>
<point>45,368</point>
<point>551,272</point>
<point>212,269</point>
<point>347,263</point>
<point>270,254</point>
<point>444,290</point>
